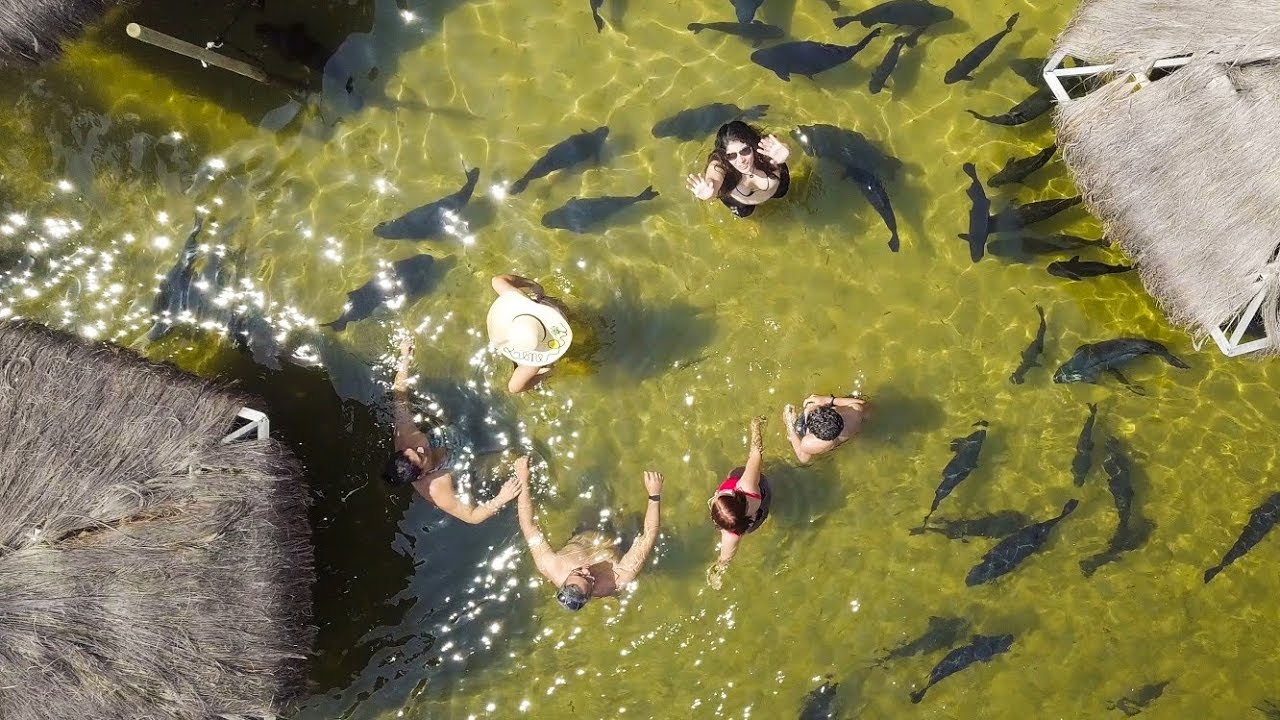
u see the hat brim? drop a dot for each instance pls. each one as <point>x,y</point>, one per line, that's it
<point>511,305</point>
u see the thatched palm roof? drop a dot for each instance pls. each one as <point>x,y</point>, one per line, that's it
<point>1132,33</point>
<point>146,569</point>
<point>32,31</point>
<point>1185,172</point>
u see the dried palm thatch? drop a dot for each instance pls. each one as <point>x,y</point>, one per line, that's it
<point>32,31</point>
<point>1134,33</point>
<point>1185,175</point>
<point>146,569</point>
<point>1183,172</point>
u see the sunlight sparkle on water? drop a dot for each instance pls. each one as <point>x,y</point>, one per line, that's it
<point>160,242</point>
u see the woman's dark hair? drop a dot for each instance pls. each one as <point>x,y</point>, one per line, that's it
<point>825,422</point>
<point>729,512</point>
<point>400,470</point>
<point>747,135</point>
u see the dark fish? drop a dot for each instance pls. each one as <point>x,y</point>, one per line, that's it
<point>430,220</point>
<point>580,214</point>
<point>1083,460</point>
<point>899,12</point>
<point>820,703</point>
<point>1261,520</point>
<point>1031,352</point>
<point>995,525</point>
<point>1011,551</point>
<point>1131,705</point>
<point>942,632</point>
<point>1025,246</point>
<point>806,57</point>
<point>252,333</point>
<point>756,31</point>
<point>1077,269</point>
<point>1092,359</point>
<point>875,194</point>
<point>846,148</point>
<point>964,461</point>
<point>573,150</point>
<point>745,10</point>
<point>595,14</point>
<point>981,649</point>
<point>1018,169</point>
<point>700,122</point>
<point>1269,708</point>
<point>1126,537</point>
<point>1119,469</point>
<point>965,66</point>
<point>292,42</point>
<point>1037,104</point>
<point>1131,531</point>
<point>979,222</point>
<point>880,75</point>
<point>1015,217</point>
<point>411,277</point>
<point>832,5</point>
<point>175,289</point>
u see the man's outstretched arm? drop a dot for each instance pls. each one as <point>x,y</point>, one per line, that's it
<point>629,566</point>
<point>547,562</point>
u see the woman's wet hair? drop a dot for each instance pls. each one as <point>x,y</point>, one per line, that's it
<point>400,470</point>
<point>747,135</point>
<point>729,512</point>
<point>824,422</point>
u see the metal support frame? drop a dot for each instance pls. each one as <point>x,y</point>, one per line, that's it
<point>1230,344</point>
<point>1054,72</point>
<point>257,421</point>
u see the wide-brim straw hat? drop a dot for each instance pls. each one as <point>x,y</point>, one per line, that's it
<point>527,332</point>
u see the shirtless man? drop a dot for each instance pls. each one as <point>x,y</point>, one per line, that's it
<point>423,461</point>
<point>588,565</point>
<point>828,423</point>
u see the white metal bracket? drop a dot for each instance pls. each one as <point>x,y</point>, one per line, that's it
<point>1054,72</point>
<point>257,421</point>
<point>1230,345</point>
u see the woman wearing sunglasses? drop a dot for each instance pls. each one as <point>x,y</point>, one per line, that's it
<point>741,504</point>
<point>744,170</point>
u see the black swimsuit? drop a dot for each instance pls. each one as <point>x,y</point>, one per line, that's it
<point>742,210</point>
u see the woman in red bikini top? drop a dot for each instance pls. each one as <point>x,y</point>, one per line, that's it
<point>740,504</point>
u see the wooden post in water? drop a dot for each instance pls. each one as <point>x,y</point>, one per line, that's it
<point>204,55</point>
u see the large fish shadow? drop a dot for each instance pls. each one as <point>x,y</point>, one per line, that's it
<point>778,12</point>
<point>641,341</point>
<point>896,416</point>
<point>801,499</point>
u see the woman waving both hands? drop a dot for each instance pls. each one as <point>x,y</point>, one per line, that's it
<point>744,170</point>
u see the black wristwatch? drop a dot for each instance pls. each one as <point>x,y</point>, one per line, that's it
<point>655,498</point>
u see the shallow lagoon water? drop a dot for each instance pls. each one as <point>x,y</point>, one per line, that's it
<point>694,322</point>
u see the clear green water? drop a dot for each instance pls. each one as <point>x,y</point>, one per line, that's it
<point>698,321</point>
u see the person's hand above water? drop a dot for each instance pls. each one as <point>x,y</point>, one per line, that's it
<point>701,187</point>
<point>773,149</point>
<point>789,418</point>
<point>509,491</point>
<point>653,482</point>
<point>522,468</point>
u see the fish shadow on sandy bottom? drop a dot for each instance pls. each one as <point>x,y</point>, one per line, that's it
<point>895,414</point>
<point>779,13</point>
<point>637,342</point>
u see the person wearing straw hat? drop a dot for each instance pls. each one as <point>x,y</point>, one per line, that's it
<point>527,329</point>
<point>423,461</point>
